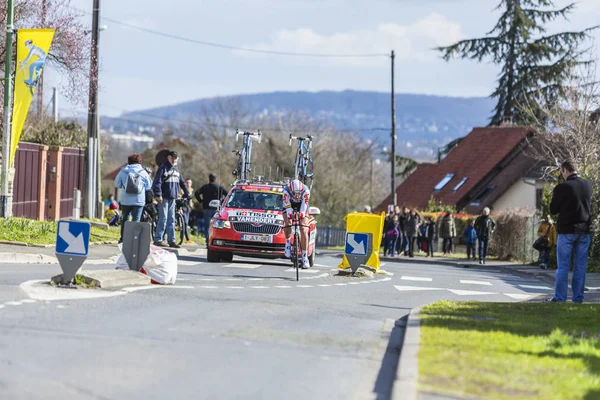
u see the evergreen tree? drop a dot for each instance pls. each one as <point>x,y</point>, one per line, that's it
<point>533,63</point>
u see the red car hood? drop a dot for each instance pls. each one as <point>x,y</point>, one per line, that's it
<point>257,217</point>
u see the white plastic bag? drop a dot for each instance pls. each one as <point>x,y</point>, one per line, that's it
<point>122,263</point>
<point>161,266</point>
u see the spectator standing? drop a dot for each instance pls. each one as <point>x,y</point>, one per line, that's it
<point>166,188</point>
<point>412,230</point>
<point>448,233</point>
<point>392,235</point>
<point>367,209</point>
<point>402,245</point>
<point>470,235</point>
<point>134,181</point>
<point>547,230</point>
<point>422,238</point>
<point>571,200</point>
<point>484,225</point>
<point>388,224</point>
<point>207,193</point>
<point>430,235</point>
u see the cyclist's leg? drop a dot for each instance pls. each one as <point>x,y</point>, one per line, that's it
<point>287,230</point>
<point>304,241</point>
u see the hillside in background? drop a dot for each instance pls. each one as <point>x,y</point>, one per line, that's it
<point>424,123</point>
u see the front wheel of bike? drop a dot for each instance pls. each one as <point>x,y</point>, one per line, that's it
<point>180,224</point>
<point>295,254</point>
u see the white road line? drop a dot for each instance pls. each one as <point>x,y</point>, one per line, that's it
<point>188,263</point>
<point>321,265</point>
<point>415,288</point>
<point>468,282</point>
<point>353,283</point>
<point>1,306</point>
<point>283,287</point>
<point>255,279</point>
<point>209,287</point>
<point>519,296</point>
<point>306,271</point>
<point>385,280</point>
<point>13,303</point>
<point>340,284</point>
<point>535,287</point>
<point>469,292</point>
<point>234,287</point>
<point>304,286</point>
<point>259,287</point>
<point>246,266</point>
<point>233,279</point>
<point>60,306</point>
<point>416,278</point>
<point>324,285</point>
<point>207,279</point>
<point>29,301</point>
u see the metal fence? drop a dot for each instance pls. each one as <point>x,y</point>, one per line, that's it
<point>328,236</point>
<point>26,188</point>
<point>73,177</point>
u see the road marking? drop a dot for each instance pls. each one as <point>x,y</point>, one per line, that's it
<point>308,271</point>
<point>340,284</point>
<point>29,301</point>
<point>234,287</point>
<point>188,263</point>
<point>415,288</point>
<point>416,278</point>
<point>385,280</point>
<point>324,285</point>
<point>519,296</point>
<point>315,277</point>
<point>60,306</point>
<point>304,286</point>
<point>233,279</point>
<point>13,303</point>
<point>207,279</point>
<point>259,287</point>
<point>535,287</point>
<point>246,266</point>
<point>283,287</point>
<point>468,282</point>
<point>209,287</point>
<point>256,279</point>
<point>469,292</point>
<point>353,283</point>
<point>1,306</point>
<point>321,265</point>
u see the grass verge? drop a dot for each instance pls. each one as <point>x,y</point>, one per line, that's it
<point>44,232</point>
<point>511,350</point>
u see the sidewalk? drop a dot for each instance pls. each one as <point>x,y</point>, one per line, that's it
<point>104,252</point>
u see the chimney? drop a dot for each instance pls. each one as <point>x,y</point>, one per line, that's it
<point>507,121</point>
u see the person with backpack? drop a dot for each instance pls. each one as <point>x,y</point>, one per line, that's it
<point>166,188</point>
<point>547,238</point>
<point>470,236</point>
<point>430,236</point>
<point>134,181</point>
<point>448,233</point>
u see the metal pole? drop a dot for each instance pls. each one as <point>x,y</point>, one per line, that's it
<point>6,212</point>
<point>40,86</point>
<point>55,104</point>
<point>92,117</point>
<point>394,197</point>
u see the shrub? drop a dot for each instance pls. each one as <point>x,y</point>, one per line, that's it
<point>516,230</point>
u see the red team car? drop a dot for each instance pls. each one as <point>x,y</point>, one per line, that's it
<point>249,223</point>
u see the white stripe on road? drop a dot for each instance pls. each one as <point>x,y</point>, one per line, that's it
<point>283,287</point>
<point>416,278</point>
<point>324,285</point>
<point>341,284</point>
<point>535,287</point>
<point>304,286</point>
<point>469,292</point>
<point>354,283</point>
<point>259,287</point>
<point>415,288</point>
<point>234,287</point>
<point>1,306</point>
<point>308,271</point>
<point>13,303</point>
<point>188,263</point>
<point>519,296</point>
<point>246,266</point>
<point>209,287</point>
<point>468,282</point>
<point>28,301</point>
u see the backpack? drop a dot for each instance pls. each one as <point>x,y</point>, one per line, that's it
<point>134,184</point>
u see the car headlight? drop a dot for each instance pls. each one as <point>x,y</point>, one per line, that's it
<point>221,224</point>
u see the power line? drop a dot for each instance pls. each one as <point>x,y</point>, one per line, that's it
<point>238,48</point>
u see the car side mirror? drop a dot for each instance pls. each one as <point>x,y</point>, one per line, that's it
<point>214,204</point>
<point>314,211</point>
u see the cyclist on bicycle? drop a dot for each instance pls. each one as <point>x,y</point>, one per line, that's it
<point>295,204</point>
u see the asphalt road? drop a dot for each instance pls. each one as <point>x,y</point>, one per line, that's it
<point>240,330</point>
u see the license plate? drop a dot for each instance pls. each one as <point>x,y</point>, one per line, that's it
<point>258,238</point>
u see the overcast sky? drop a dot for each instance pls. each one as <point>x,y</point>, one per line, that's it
<point>141,70</point>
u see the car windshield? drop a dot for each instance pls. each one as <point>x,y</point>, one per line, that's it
<point>255,200</point>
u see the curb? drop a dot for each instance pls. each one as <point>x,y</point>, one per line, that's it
<point>407,375</point>
<point>25,258</point>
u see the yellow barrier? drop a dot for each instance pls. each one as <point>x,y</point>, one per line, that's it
<point>366,223</point>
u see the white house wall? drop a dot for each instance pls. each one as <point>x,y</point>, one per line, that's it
<point>520,195</point>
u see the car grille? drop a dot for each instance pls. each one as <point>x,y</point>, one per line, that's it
<point>253,246</point>
<point>246,227</point>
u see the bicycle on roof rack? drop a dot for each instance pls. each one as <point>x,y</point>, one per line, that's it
<point>242,170</point>
<point>303,163</point>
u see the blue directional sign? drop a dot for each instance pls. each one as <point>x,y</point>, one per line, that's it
<point>73,238</point>
<point>357,243</point>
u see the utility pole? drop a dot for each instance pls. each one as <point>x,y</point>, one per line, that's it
<point>92,154</point>
<point>5,196</point>
<point>394,197</point>
<point>40,87</point>
<point>55,104</point>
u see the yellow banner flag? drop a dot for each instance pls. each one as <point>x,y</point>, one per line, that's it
<point>33,46</point>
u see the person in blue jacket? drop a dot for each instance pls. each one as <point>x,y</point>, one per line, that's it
<point>166,187</point>
<point>470,235</point>
<point>133,198</point>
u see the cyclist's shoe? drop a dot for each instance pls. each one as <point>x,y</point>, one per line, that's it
<point>174,245</point>
<point>288,250</point>
<point>160,244</point>
<point>305,264</point>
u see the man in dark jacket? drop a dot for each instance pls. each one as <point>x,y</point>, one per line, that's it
<point>484,225</point>
<point>571,200</point>
<point>167,183</point>
<point>207,193</point>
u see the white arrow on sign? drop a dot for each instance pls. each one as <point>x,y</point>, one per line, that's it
<point>75,244</point>
<point>357,248</point>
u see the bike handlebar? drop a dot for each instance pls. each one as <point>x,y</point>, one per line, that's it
<point>239,133</point>
<point>300,139</point>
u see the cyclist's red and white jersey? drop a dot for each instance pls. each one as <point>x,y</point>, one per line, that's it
<point>290,205</point>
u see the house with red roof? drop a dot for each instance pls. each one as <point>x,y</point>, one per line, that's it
<point>490,167</point>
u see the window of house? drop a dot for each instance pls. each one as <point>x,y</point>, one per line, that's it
<point>459,184</point>
<point>482,195</point>
<point>443,182</point>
